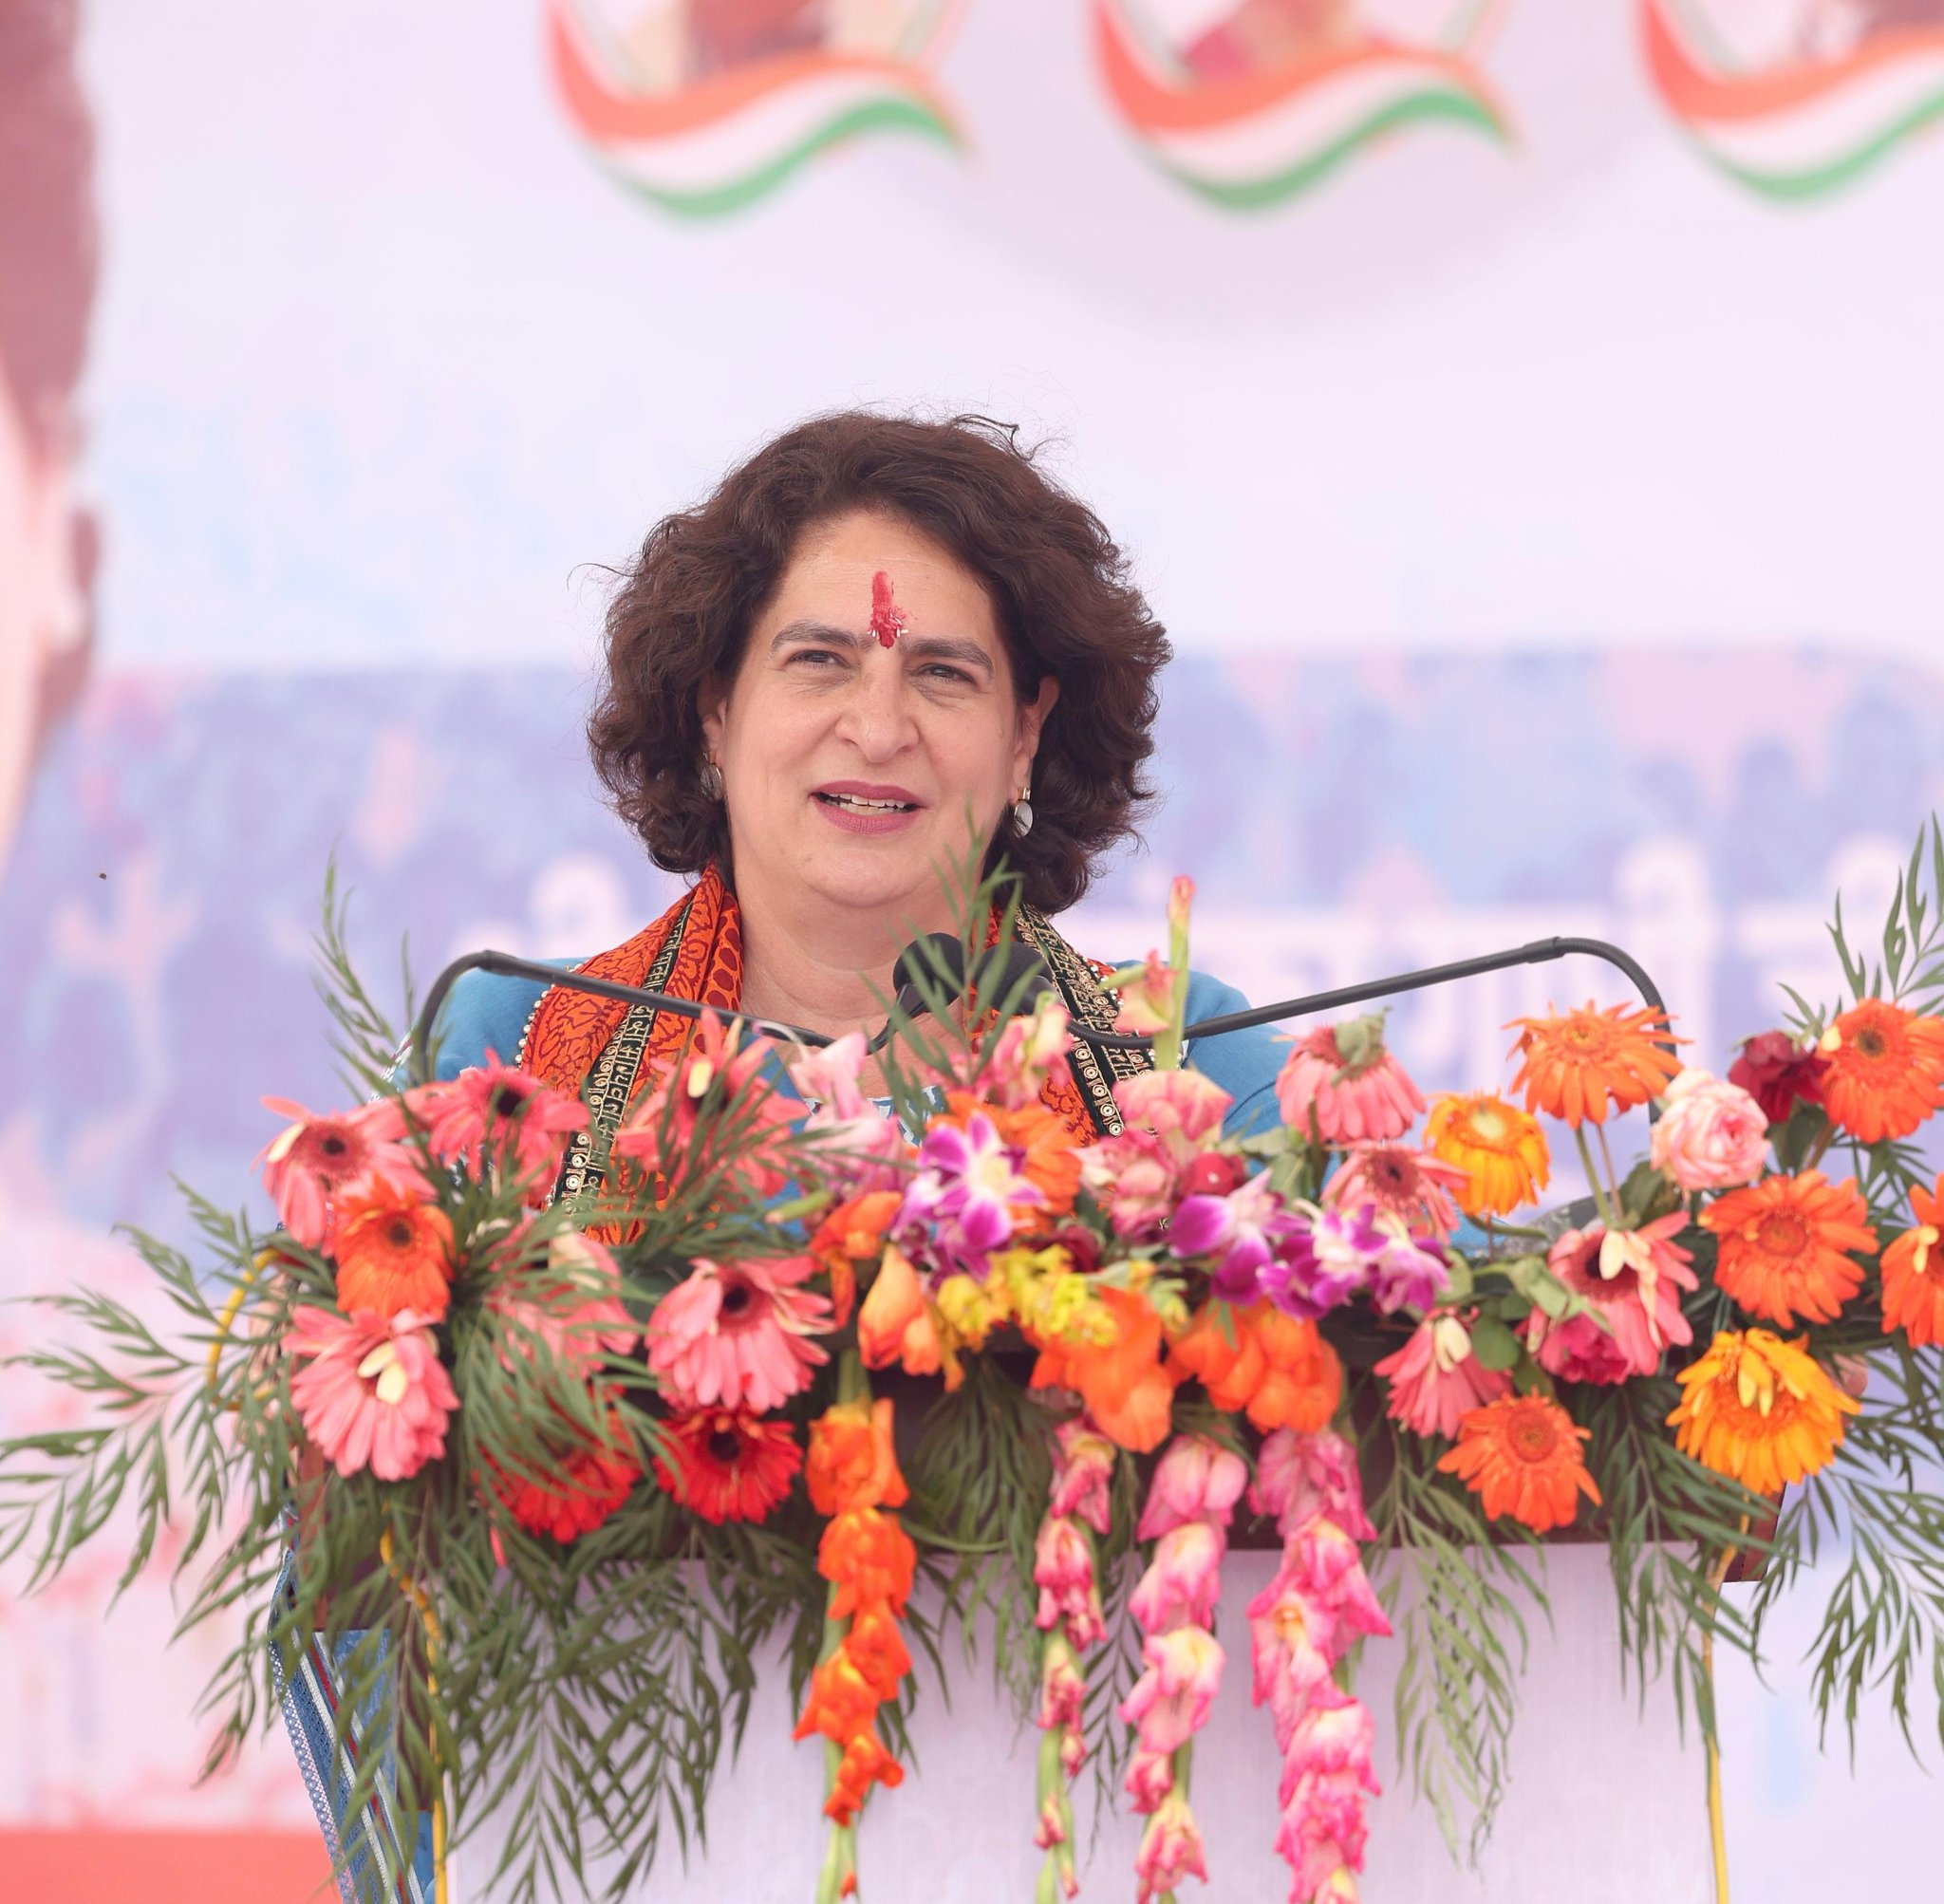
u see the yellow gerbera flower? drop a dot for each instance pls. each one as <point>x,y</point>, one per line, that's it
<point>1760,1410</point>
<point>1501,1150</point>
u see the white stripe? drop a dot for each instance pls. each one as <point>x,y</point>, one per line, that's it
<point>1301,125</point>
<point>728,149</point>
<point>1829,129</point>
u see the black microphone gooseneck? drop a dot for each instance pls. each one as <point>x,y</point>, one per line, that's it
<point>942,957</point>
<point>505,965</point>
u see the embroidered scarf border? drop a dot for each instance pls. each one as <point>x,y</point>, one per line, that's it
<point>603,1048</point>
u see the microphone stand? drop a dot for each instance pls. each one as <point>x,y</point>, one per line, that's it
<point>1538,952</point>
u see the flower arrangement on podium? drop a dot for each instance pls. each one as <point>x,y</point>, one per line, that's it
<point>542,1477</point>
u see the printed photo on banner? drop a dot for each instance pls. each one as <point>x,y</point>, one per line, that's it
<point>1797,98</point>
<point>1251,102</point>
<point>704,106</point>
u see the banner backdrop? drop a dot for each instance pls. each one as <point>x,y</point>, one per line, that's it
<point>1523,418</point>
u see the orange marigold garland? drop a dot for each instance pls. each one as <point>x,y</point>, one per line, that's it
<point>1520,1455</point>
<point>1913,1271</point>
<point>869,1559</point>
<point>1760,1410</point>
<point>1885,1070</point>
<point>1576,1065</point>
<point>1788,1246</point>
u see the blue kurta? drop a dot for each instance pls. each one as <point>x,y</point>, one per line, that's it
<point>486,1012</point>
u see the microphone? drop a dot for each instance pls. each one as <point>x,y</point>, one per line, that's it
<point>1536,953</point>
<point>939,958</point>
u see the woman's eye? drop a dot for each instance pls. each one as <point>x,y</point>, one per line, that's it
<point>944,671</point>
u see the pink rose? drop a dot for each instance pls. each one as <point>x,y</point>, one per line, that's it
<point>1712,1135</point>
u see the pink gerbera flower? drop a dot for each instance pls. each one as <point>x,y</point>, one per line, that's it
<point>499,1111</point>
<point>315,1162</point>
<point>736,1335</point>
<point>374,1393</point>
<point>1435,1378</point>
<point>1635,1279</point>
<point>1415,1186</point>
<point>1341,1080</point>
<point>570,1304</point>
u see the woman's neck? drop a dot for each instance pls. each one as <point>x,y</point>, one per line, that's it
<point>827,969</point>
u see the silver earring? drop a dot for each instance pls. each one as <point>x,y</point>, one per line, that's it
<point>710,779</point>
<point>1023,813</point>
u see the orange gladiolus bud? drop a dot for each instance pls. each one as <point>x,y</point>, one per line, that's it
<point>895,1323</point>
<point>870,1560</point>
<point>866,1763</point>
<point>851,1462</point>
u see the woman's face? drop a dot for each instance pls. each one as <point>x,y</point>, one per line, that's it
<point>855,771</point>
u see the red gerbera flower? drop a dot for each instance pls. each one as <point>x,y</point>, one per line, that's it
<point>725,1464</point>
<point>592,1479</point>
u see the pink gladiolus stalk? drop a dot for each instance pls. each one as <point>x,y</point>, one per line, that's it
<point>373,1393</point>
<point>1299,1628</point>
<point>1083,1473</point>
<point>1069,1590</point>
<point>1196,1480</point>
<point>1170,1849</point>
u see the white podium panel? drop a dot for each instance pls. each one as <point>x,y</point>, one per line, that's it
<point>1605,1807</point>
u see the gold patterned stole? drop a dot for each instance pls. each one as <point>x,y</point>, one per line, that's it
<point>602,1048</point>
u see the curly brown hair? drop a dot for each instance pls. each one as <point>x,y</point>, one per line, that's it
<point>1058,584</point>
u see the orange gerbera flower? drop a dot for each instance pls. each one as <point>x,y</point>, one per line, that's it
<point>1573,1064</point>
<point>868,1559</point>
<point>1275,1369</point>
<point>1913,1271</point>
<point>1051,1163</point>
<point>851,1461</point>
<point>394,1252</point>
<point>1886,1069</point>
<point>1520,1455</point>
<point>1760,1410</point>
<point>1500,1149</point>
<point>1785,1246</point>
<point>852,1233</point>
<point>1128,1394</point>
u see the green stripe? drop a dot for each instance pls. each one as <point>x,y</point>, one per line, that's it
<point>1802,185</point>
<point>1252,195</point>
<point>721,201</point>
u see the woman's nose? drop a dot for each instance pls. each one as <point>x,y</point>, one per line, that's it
<point>877,717</point>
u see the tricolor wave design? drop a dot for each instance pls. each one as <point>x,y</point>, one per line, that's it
<point>1252,142</point>
<point>713,148</point>
<point>1798,130</point>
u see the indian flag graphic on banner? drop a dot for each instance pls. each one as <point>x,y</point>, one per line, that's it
<point>1250,102</point>
<point>705,105</point>
<point>1798,97</point>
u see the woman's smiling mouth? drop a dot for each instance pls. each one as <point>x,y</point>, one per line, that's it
<point>861,809</point>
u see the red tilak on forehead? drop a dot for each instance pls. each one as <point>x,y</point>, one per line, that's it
<point>886,618</point>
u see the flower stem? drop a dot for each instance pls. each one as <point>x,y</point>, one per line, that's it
<point>1599,1196</point>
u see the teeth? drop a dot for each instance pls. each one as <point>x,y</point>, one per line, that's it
<point>863,806</point>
